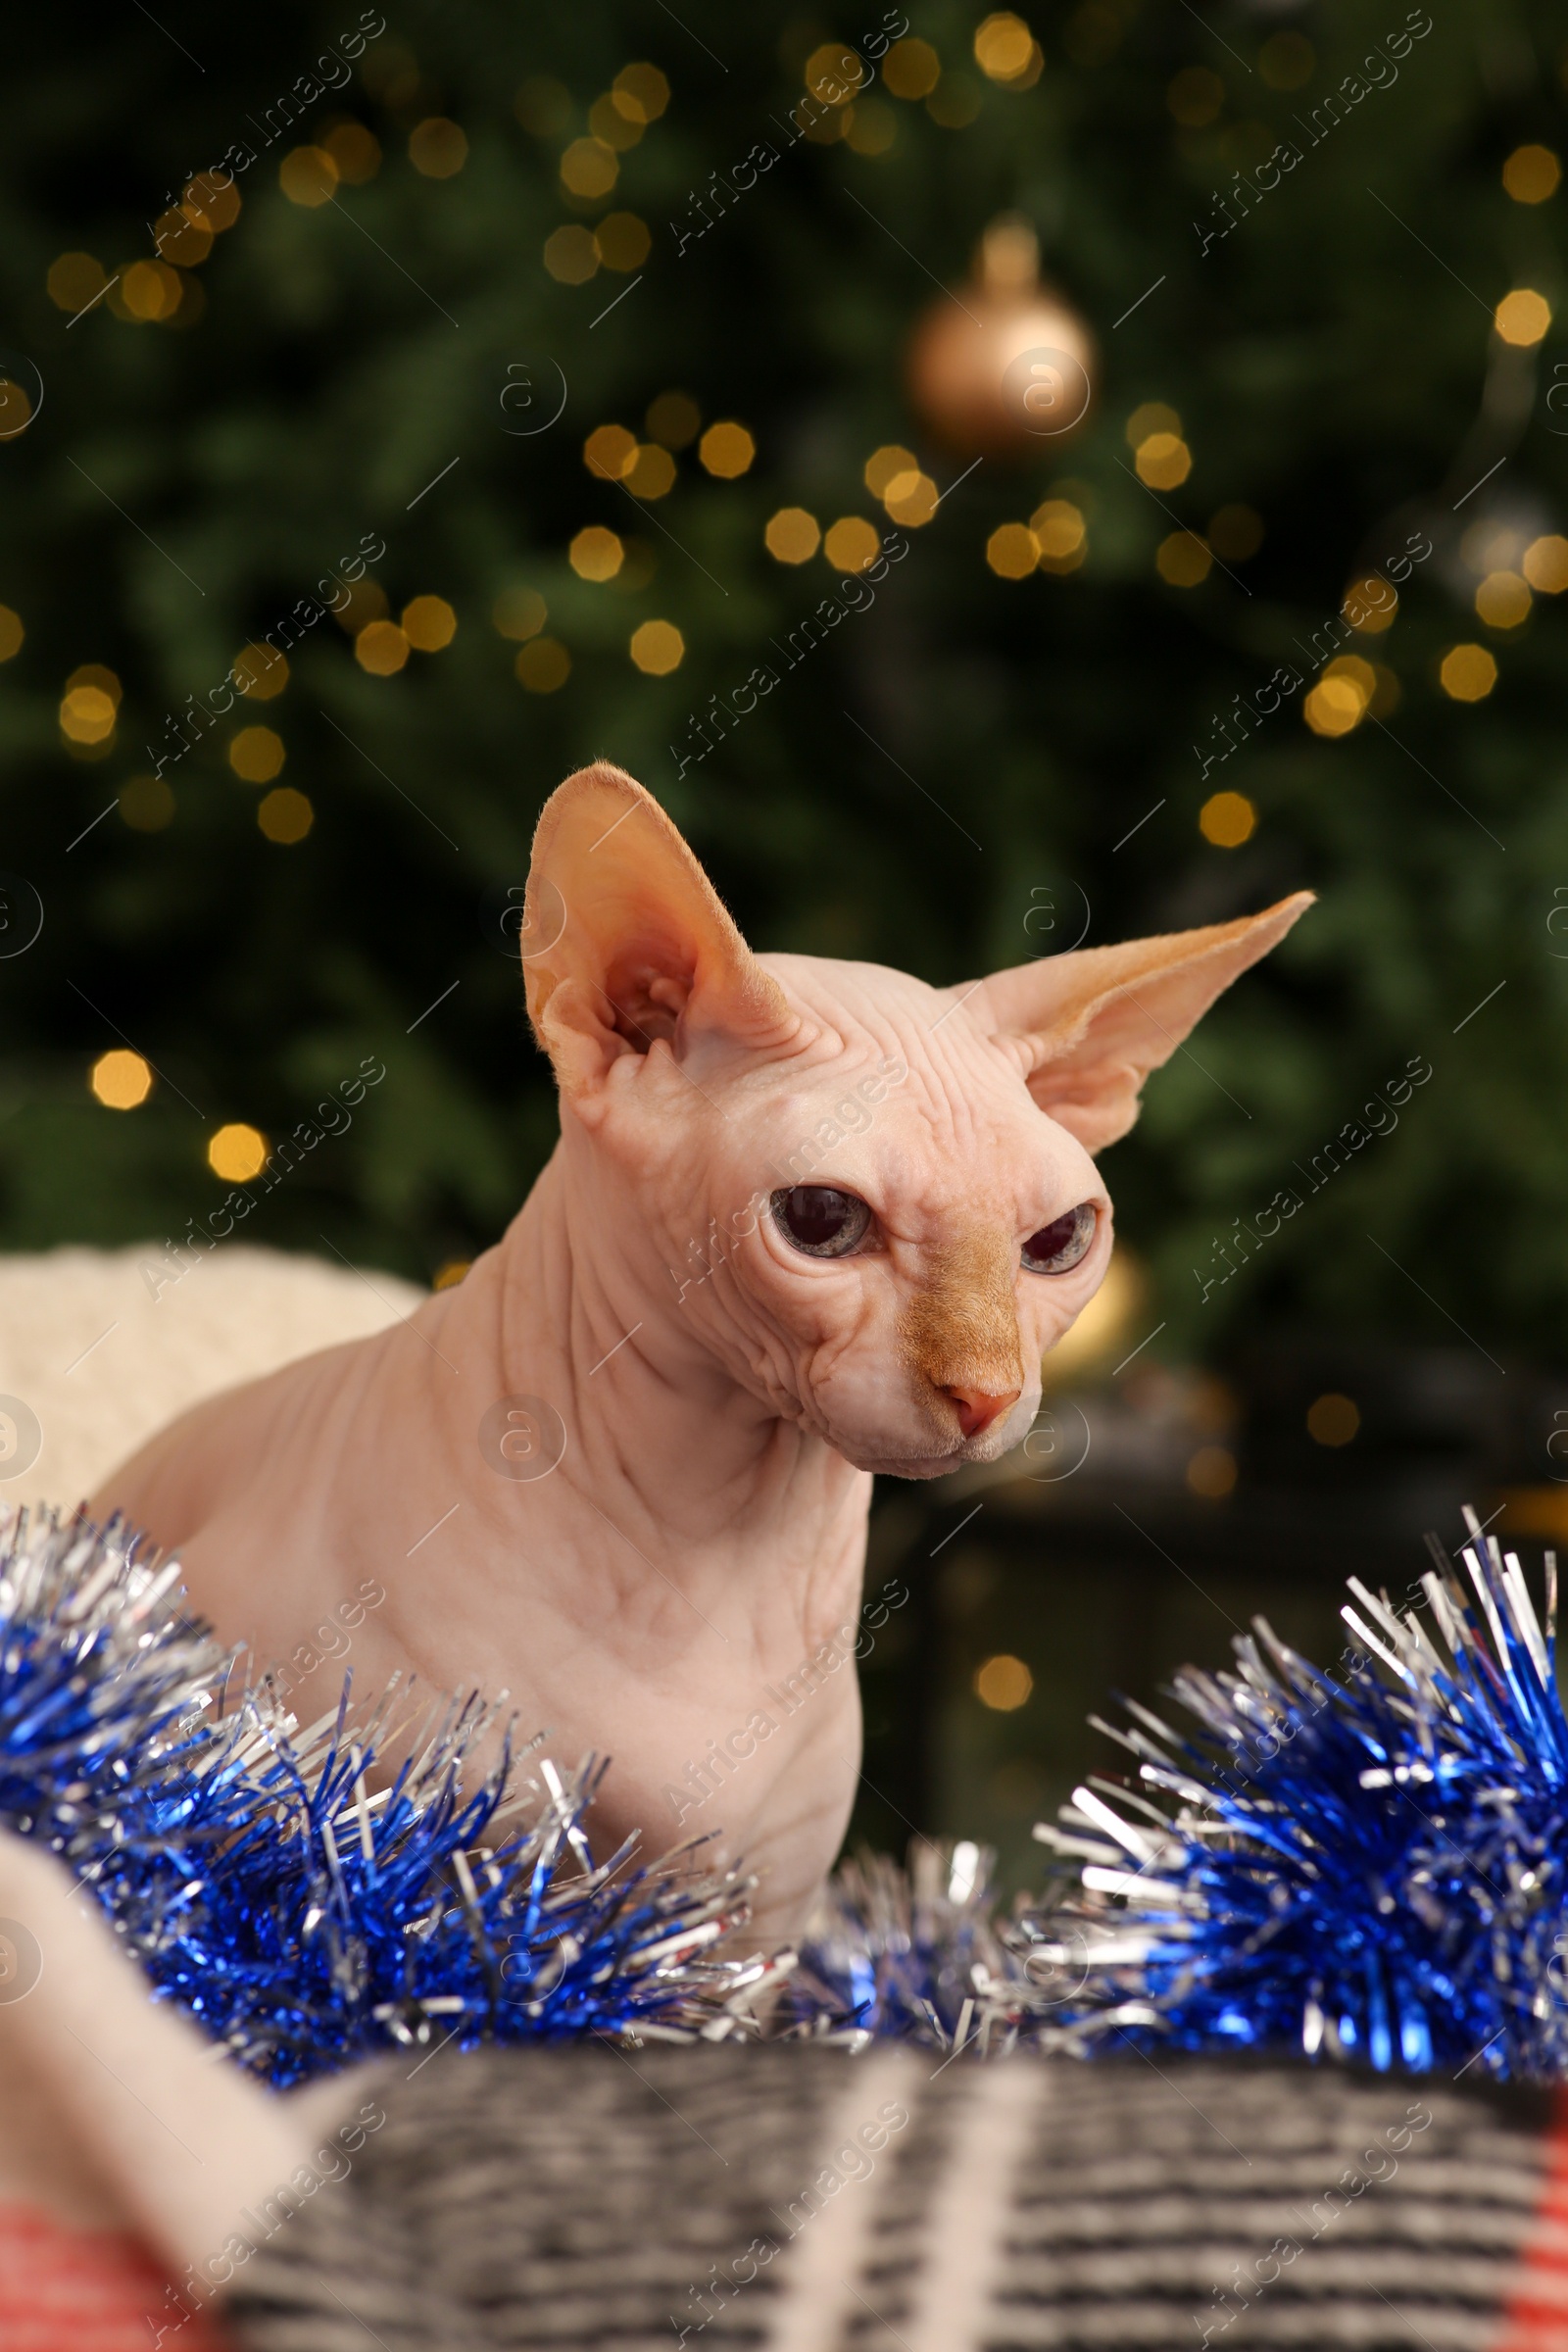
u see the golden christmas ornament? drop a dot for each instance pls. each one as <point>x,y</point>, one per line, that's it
<point>1002,368</point>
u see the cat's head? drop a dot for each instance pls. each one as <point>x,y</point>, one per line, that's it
<point>875,1201</point>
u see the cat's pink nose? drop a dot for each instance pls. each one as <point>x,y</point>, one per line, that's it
<point>979,1407</point>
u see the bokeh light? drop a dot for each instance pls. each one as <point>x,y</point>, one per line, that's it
<point>121,1079</point>
<point>1227,819</point>
<point>238,1152</point>
<point>428,622</point>
<point>286,815</point>
<point>658,648</point>
<point>595,554</point>
<point>1003,1684</point>
<point>381,648</point>
<point>726,450</point>
<point>543,665</point>
<point>256,755</point>
<point>793,536</point>
<point>1467,674</point>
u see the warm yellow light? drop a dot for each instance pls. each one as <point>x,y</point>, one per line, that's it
<point>286,815</point>
<point>543,665</point>
<point>1194,97</point>
<point>1211,1472</point>
<point>1333,707</point>
<point>1227,819</point>
<point>1544,565</point>
<point>658,648</point>
<point>256,755</point>
<point>1523,316</point>
<point>641,92</point>
<point>519,612</point>
<point>1060,534</point>
<point>355,153</point>
<point>834,72</point>
<point>610,451</point>
<point>1502,600</point>
<point>886,464</point>
<point>1531,174</point>
<point>1012,551</point>
<point>589,169</point>
<point>611,124</point>
<point>911,69</point>
<point>652,472</point>
<point>1163,460</point>
<point>1183,559</point>
<point>792,535</point>
<point>1370,604</point>
<point>726,450</point>
<point>216,197</point>
<point>1341,696</point>
<point>366,602</point>
<point>852,544</point>
<point>150,290</point>
<point>182,236</point>
<point>428,623</point>
<point>238,1152</point>
<point>1101,1333</point>
<point>448,1277</point>
<point>570,255</point>
<point>1003,46</point>
<point>912,499</point>
<point>622,242</point>
<point>438,148</point>
<point>1332,1419</point>
<point>673,419</point>
<point>1468,673</point>
<point>75,280</point>
<point>121,1079</point>
<point>1149,417</point>
<point>307,175</point>
<point>1003,1684</point>
<point>86,715</point>
<point>12,633</point>
<point>381,648</point>
<point>261,672</point>
<point>93,674</point>
<point>595,554</point>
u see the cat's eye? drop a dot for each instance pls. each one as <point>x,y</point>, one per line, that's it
<point>1058,1247</point>
<point>821,1220</point>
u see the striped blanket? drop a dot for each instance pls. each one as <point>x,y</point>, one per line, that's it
<point>805,2201</point>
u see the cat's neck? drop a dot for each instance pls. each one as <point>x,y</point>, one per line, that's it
<point>584,1314</point>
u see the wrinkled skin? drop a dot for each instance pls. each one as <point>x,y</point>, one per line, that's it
<point>721,1398</point>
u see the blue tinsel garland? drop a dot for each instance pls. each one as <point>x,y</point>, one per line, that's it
<point>1372,1865</point>
<point>303,1918</point>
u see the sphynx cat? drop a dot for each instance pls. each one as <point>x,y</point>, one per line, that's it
<point>806,1220</point>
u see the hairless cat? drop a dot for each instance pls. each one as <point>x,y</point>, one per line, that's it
<point>806,1220</point>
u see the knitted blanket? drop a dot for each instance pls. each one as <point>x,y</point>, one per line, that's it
<point>810,2202</point>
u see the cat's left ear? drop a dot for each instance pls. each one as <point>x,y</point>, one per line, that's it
<point>1092,1024</point>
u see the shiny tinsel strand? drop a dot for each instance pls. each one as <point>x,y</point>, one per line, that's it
<point>1372,1866</point>
<point>302,1917</point>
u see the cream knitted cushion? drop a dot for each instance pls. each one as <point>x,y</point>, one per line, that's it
<point>101,1349</point>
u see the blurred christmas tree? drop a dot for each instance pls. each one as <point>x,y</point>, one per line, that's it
<point>1318,253</point>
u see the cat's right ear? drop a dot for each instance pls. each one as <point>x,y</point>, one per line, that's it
<point>626,942</point>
